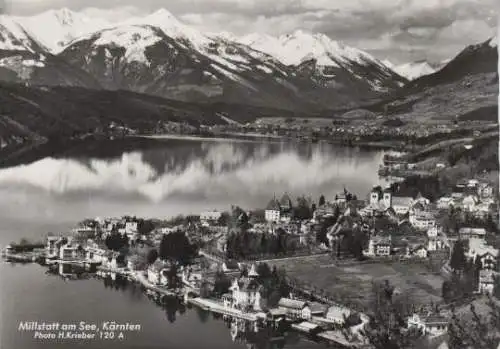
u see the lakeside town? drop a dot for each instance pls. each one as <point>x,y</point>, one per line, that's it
<point>336,269</point>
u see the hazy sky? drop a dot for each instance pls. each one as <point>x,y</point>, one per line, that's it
<point>400,30</point>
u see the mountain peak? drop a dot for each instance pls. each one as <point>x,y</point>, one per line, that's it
<point>161,14</point>
<point>494,41</point>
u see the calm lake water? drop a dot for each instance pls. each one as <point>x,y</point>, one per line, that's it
<point>163,179</point>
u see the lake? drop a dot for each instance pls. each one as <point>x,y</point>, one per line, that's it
<point>159,178</point>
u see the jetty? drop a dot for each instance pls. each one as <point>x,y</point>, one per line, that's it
<point>216,307</point>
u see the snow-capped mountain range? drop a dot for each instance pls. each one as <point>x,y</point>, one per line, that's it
<point>157,54</point>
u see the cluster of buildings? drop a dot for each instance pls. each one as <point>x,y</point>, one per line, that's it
<point>472,196</point>
<point>246,293</point>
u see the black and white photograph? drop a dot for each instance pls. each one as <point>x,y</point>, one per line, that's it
<point>249,174</point>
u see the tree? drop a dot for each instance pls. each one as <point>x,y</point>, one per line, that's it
<point>478,331</point>
<point>145,226</point>
<point>116,241</point>
<point>221,283</point>
<point>386,329</point>
<point>303,209</point>
<point>321,200</point>
<point>172,276</point>
<point>176,247</point>
<point>458,260</point>
<point>496,288</point>
<point>239,218</point>
<point>447,291</point>
<point>152,256</point>
<point>205,290</point>
<point>224,219</point>
<point>264,271</point>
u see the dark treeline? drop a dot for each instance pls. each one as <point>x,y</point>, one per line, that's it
<point>244,244</point>
<point>176,247</point>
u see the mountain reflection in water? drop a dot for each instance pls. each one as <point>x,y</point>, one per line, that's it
<point>183,176</point>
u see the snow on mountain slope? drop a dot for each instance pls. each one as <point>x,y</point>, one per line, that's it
<point>13,37</point>
<point>134,40</point>
<point>328,62</point>
<point>293,49</point>
<point>414,70</point>
<point>172,27</point>
<point>54,29</point>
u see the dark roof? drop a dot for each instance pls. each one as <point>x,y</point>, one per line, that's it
<point>273,205</point>
<point>231,264</point>
<point>435,319</point>
<point>285,201</point>
<point>291,303</point>
<point>248,284</point>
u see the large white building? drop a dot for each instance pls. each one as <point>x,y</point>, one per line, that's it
<point>295,308</point>
<point>273,211</point>
<point>246,292</point>
<point>210,216</point>
<point>487,281</point>
<point>401,204</point>
<point>422,220</point>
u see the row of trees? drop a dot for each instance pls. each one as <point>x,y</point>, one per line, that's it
<point>245,244</point>
<point>174,247</point>
<point>465,279</point>
<point>116,241</point>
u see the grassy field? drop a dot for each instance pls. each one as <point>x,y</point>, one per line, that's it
<point>353,283</point>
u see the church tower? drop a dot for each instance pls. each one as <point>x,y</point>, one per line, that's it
<point>387,198</point>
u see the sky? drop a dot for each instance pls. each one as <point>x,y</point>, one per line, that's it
<point>398,30</point>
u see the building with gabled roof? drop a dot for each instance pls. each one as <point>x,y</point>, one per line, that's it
<point>295,308</point>
<point>401,204</point>
<point>273,211</point>
<point>467,233</point>
<point>430,325</point>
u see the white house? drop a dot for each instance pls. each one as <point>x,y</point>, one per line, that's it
<point>488,255</point>
<point>273,211</point>
<point>337,314</point>
<point>401,204</point>
<point>487,281</point>
<point>422,220</point>
<point>210,216</point>
<point>68,252</point>
<point>467,233</point>
<point>95,254</point>
<point>53,246</point>
<point>131,227</point>
<point>295,309</point>
<point>431,325</point>
<point>379,246</point>
<point>246,292</point>
<point>489,259</point>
